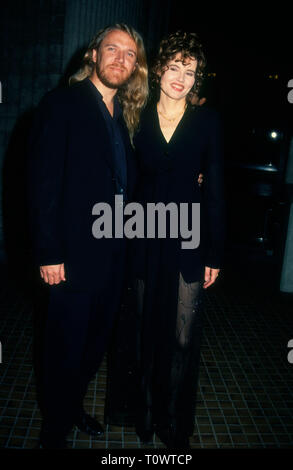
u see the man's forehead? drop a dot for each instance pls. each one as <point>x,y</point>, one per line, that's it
<point>121,37</point>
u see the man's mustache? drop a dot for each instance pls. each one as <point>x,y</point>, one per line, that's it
<point>118,66</point>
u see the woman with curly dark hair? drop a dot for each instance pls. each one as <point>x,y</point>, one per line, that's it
<point>175,142</point>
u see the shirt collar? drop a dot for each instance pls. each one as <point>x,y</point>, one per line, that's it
<point>117,107</point>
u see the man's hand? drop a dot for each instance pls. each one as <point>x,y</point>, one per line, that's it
<point>53,274</point>
<point>210,275</point>
<point>200,179</point>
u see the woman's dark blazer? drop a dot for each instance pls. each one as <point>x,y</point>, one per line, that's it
<point>169,173</point>
<point>70,169</point>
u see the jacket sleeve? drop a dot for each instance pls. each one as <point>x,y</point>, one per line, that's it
<point>214,194</point>
<point>46,163</point>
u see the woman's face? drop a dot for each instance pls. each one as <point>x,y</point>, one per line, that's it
<point>179,78</point>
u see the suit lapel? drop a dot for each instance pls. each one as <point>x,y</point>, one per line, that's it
<point>130,157</point>
<point>90,93</point>
<point>93,108</point>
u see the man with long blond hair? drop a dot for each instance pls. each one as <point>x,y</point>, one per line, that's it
<point>81,154</point>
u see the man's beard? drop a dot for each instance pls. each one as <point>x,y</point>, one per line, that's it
<point>106,78</point>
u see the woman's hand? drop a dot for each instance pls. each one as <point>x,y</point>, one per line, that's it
<point>200,179</point>
<point>210,275</point>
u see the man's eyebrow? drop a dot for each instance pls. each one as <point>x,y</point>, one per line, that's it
<point>115,45</point>
<point>110,44</point>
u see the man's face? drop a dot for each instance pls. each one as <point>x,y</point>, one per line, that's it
<point>116,59</point>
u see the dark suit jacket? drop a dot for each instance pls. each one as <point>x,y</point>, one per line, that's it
<point>169,173</point>
<point>71,168</point>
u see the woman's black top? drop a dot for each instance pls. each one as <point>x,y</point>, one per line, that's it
<point>169,173</point>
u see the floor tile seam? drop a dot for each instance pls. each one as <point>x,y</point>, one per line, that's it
<point>17,415</point>
<point>14,383</point>
<point>271,363</point>
<point>225,421</point>
<point>245,401</point>
<point>236,335</point>
<point>243,307</point>
<point>15,349</point>
<point>214,432</point>
<point>234,405</point>
<point>261,311</point>
<point>30,427</point>
<point>224,417</point>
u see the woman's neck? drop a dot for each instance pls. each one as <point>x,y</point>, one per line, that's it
<point>170,106</point>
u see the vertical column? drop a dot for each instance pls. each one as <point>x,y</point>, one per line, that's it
<point>84,18</point>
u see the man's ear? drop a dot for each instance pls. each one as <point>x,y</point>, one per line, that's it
<point>95,55</point>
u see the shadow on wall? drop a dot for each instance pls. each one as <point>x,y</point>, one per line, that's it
<point>21,276</point>
<point>15,213</point>
<point>16,233</point>
<point>19,270</point>
<point>72,66</point>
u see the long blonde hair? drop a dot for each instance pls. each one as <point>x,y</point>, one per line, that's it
<point>133,95</point>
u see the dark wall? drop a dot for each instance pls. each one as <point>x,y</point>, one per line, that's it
<point>41,42</point>
<point>31,64</point>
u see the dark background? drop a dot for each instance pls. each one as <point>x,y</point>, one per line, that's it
<point>249,66</point>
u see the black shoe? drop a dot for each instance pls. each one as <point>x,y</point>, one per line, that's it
<point>89,425</point>
<point>56,445</point>
<point>145,435</point>
<point>172,438</point>
<point>144,427</point>
<point>164,435</point>
<point>181,442</point>
<point>52,442</point>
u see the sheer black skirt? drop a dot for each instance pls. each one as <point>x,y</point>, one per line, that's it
<point>153,365</point>
<point>168,361</point>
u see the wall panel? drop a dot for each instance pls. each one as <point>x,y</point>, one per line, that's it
<point>38,39</point>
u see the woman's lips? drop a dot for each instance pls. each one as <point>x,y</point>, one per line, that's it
<point>177,87</point>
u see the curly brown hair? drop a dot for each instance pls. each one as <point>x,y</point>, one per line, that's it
<point>189,46</point>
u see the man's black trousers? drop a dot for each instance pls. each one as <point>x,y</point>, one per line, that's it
<point>76,335</point>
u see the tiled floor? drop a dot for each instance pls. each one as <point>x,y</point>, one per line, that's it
<point>246,382</point>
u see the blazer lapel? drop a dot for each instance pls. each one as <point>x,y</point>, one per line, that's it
<point>130,158</point>
<point>92,98</point>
